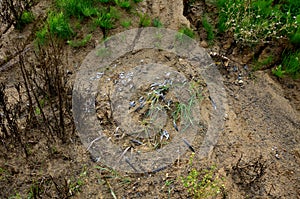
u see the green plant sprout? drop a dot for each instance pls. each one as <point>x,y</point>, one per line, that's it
<point>77,8</point>
<point>186,31</point>
<point>126,23</point>
<point>76,184</point>
<point>126,4</point>
<point>56,26</point>
<point>157,100</point>
<point>278,71</point>
<point>80,43</point>
<point>290,66</point>
<point>157,23</point>
<point>145,20</point>
<point>203,184</point>
<point>26,18</point>
<point>208,28</point>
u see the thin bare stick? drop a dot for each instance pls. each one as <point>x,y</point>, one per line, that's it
<point>111,190</point>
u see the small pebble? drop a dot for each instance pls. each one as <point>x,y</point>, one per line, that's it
<point>132,104</point>
<point>235,69</point>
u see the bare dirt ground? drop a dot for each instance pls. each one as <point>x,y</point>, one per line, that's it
<point>257,153</point>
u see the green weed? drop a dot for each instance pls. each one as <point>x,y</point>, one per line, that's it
<point>59,26</point>
<point>126,4</point>
<point>41,36</point>
<point>295,38</point>
<point>16,196</point>
<point>203,184</point>
<point>77,8</point>
<point>157,23</point>
<point>105,1</point>
<point>289,66</point>
<point>168,184</point>
<point>145,20</point>
<point>106,19</point>
<point>278,71</point>
<point>80,43</point>
<point>187,31</point>
<point>76,183</point>
<point>26,18</point>
<point>208,28</point>
<point>34,191</point>
<point>126,23</point>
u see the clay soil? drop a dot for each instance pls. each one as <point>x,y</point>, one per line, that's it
<point>257,153</point>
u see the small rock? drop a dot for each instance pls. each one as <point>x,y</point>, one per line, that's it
<point>240,81</point>
<point>226,117</point>
<point>235,68</point>
<point>132,104</point>
<point>204,44</point>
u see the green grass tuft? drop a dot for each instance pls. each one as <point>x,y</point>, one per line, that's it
<point>26,18</point>
<point>80,43</point>
<point>59,26</point>
<point>208,28</point>
<point>157,23</point>
<point>259,21</point>
<point>187,31</point>
<point>126,4</point>
<point>126,23</point>
<point>145,20</point>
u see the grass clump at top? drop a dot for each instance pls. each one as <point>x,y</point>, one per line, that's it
<point>126,4</point>
<point>57,25</point>
<point>77,8</point>
<point>106,19</point>
<point>258,21</point>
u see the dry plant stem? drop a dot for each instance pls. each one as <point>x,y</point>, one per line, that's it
<point>26,84</point>
<point>30,89</point>
<point>111,190</point>
<point>11,119</point>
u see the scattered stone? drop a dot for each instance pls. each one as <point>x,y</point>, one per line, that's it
<point>226,117</point>
<point>239,77</point>
<point>204,44</point>
<point>235,68</point>
<point>240,81</point>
